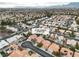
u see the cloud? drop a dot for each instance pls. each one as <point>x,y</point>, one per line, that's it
<point>29,3</point>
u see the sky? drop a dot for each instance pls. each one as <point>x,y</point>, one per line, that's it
<point>33,3</point>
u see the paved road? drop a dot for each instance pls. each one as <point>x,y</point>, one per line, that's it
<point>29,44</point>
<point>8,36</point>
<point>18,32</point>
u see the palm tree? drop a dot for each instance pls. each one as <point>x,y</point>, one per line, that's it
<point>65,42</point>
<point>52,37</point>
<point>77,46</point>
<point>34,41</point>
<point>56,30</point>
<point>73,49</point>
<point>56,53</point>
<point>29,33</point>
<point>30,52</point>
<point>60,49</point>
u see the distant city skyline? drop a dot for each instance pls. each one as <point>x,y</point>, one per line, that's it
<point>33,3</point>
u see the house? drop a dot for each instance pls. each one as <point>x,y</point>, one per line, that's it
<point>10,48</point>
<point>66,52</point>
<point>74,26</point>
<point>53,47</point>
<point>60,39</point>
<point>77,35</point>
<point>18,53</point>
<point>46,44</point>
<point>39,39</point>
<point>32,37</point>
<point>19,36</point>
<point>40,31</point>
<point>62,31</point>
<point>12,39</point>
<point>76,54</point>
<point>68,31</point>
<point>52,37</point>
<point>3,43</point>
<point>12,28</point>
<point>71,42</point>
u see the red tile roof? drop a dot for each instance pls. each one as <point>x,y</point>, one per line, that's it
<point>53,47</point>
<point>46,44</point>
<point>32,37</point>
<point>39,39</point>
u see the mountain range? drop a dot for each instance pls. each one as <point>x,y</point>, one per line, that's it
<point>70,5</point>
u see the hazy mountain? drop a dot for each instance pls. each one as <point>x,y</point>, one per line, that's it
<point>70,5</point>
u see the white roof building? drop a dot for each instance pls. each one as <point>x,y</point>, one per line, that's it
<point>74,26</point>
<point>62,31</point>
<point>40,31</point>
<point>12,28</point>
<point>77,35</point>
<point>71,42</point>
<point>23,25</point>
<point>19,36</point>
<point>12,39</point>
<point>60,37</point>
<point>3,43</point>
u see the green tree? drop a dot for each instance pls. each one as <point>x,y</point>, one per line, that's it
<point>2,27</point>
<point>14,22</point>
<point>72,34</point>
<point>34,41</point>
<point>45,37</point>
<point>2,22</point>
<point>39,44</point>
<point>77,20</point>
<point>28,34</point>
<point>3,54</point>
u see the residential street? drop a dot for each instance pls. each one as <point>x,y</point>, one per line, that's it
<point>28,44</point>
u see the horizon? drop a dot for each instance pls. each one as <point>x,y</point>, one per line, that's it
<point>33,3</point>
